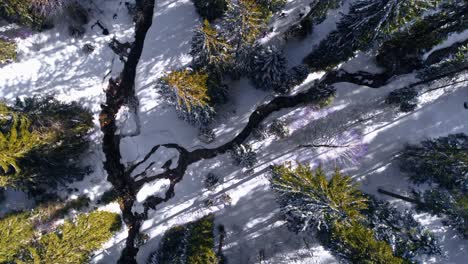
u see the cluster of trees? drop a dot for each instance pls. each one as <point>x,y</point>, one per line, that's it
<point>192,243</point>
<point>355,226</point>
<point>41,141</point>
<point>228,48</point>
<point>442,163</point>
<point>368,23</point>
<point>32,237</point>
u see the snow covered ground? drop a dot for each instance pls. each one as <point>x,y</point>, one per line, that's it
<point>52,63</point>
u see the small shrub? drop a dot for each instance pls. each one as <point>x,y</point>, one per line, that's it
<point>206,135</point>
<point>7,51</point>
<point>279,128</point>
<point>211,180</point>
<point>243,156</point>
<point>405,97</point>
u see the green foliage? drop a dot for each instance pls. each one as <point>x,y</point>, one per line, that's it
<point>16,141</point>
<point>308,198</point>
<point>246,20</point>
<point>209,48</point>
<point>356,243</point>
<point>200,242</point>
<point>192,243</point>
<point>368,22</point>
<point>210,9</point>
<point>74,241</point>
<point>442,160</point>
<point>403,51</point>
<point>7,51</point>
<point>20,11</point>
<point>41,141</point>
<point>190,88</point>
<point>16,230</point>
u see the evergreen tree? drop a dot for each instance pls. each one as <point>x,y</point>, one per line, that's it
<point>245,22</point>
<point>42,141</point>
<point>269,69</point>
<point>442,160</point>
<point>452,204</point>
<point>368,22</point>
<point>356,243</point>
<point>402,53</point>
<point>210,9</point>
<point>74,241</point>
<point>16,231</point>
<point>192,243</point>
<point>15,143</point>
<point>451,65</point>
<point>188,91</point>
<point>209,47</point>
<point>405,235</point>
<point>308,199</point>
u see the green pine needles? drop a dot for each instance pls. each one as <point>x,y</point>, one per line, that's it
<point>332,208</point>
<point>71,242</point>
<point>41,141</point>
<point>309,199</point>
<point>192,243</point>
<point>16,142</point>
<point>7,51</point>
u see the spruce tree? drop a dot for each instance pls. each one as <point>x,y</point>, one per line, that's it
<point>368,22</point>
<point>269,69</point>
<point>209,47</point>
<point>442,160</point>
<point>357,244</point>
<point>42,141</point>
<point>16,141</point>
<point>244,24</point>
<point>309,200</point>
<point>408,238</point>
<point>188,91</point>
<point>403,51</point>
<point>210,9</point>
<point>74,241</point>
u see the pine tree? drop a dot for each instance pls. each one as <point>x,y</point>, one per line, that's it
<point>356,243</point>
<point>74,241</point>
<point>209,47</point>
<point>188,90</point>
<point>368,22</point>
<point>210,9</point>
<point>15,143</point>
<point>269,69</point>
<point>309,200</point>
<point>451,65</point>
<point>16,231</point>
<point>408,238</point>
<point>42,141</point>
<point>244,23</point>
<point>192,243</point>
<point>452,204</point>
<point>442,160</point>
<point>403,51</point>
